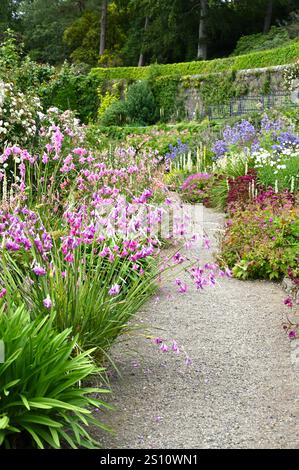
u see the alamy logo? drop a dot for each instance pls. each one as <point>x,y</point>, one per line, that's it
<point>2,352</point>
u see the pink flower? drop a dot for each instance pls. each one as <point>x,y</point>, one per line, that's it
<point>47,302</point>
<point>12,246</point>
<point>206,243</point>
<point>115,289</point>
<point>292,334</point>
<point>158,340</point>
<point>39,271</point>
<point>288,301</point>
<point>164,347</point>
<point>178,258</point>
<point>2,293</point>
<point>69,258</point>
<point>182,286</point>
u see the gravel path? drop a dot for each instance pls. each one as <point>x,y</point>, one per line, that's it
<point>241,390</point>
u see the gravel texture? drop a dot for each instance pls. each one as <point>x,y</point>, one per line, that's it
<point>241,390</point>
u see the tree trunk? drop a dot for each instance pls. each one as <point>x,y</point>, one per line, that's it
<point>141,57</point>
<point>202,39</point>
<point>268,17</point>
<point>81,6</point>
<point>103,26</point>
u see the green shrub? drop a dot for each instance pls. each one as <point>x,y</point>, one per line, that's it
<point>72,88</point>
<point>116,114</point>
<point>261,241</point>
<point>106,101</point>
<point>137,109</point>
<point>165,90</point>
<point>140,104</point>
<point>276,37</point>
<point>175,178</point>
<point>42,400</point>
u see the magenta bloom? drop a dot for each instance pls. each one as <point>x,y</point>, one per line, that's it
<point>47,302</point>
<point>292,334</point>
<point>12,246</point>
<point>158,340</point>
<point>114,290</point>
<point>206,243</point>
<point>164,347</point>
<point>182,286</point>
<point>2,293</point>
<point>39,271</point>
<point>69,257</point>
<point>288,301</point>
<point>178,258</point>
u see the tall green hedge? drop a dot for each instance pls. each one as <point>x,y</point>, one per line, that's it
<point>268,58</point>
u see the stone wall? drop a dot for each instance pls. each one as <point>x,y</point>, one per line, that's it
<point>249,83</point>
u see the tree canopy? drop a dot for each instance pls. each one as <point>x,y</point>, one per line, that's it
<point>132,32</point>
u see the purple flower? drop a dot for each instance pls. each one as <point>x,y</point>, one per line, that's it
<point>47,302</point>
<point>292,334</point>
<point>228,272</point>
<point>175,347</point>
<point>158,340</point>
<point>69,258</point>
<point>174,151</point>
<point>164,347</point>
<point>219,148</point>
<point>2,293</point>
<point>288,301</point>
<point>182,286</point>
<point>188,361</point>
<point>12,246</point>
<point>178,258</point>
<point>39,271</point>
<point>206,243</point>
<point>115,289</point>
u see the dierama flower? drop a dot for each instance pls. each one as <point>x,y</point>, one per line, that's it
<point>158,340</point>
<point>206,243</point>
<point>115,289</point>
<point>39,271</point>
<point>47,302</point>
<point>292,334</point>
<point>164,347</point>
<point>182,286</point>
<point>69,258</point>
<point>2,293</point>
<point>288,301</point>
